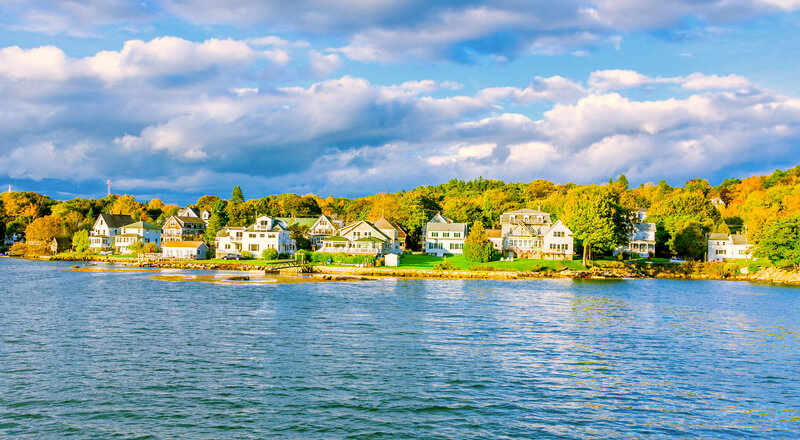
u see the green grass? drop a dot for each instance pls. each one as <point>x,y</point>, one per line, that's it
<point>421,261</point>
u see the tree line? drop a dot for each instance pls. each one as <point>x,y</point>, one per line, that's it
<point>765,208</point>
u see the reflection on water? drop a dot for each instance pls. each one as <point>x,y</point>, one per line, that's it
<point>116,352</point>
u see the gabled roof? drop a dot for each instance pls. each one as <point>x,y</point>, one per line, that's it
<point>718,236</point>
<point>352,226</point>
<point>439,218</point>
<point>184,220</point>
<point>142,225</point>
<point>335,238</point>
<point>739,239</point>
<point>116,220</point>
<point>372,239</point>
<point>182,244</point>
<point>494,233</point>
<point>189,211</point>
<point>384,223</point>
<point>447,227</point>
<point>302,221</point>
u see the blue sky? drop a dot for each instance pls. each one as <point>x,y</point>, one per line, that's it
<point>178,98</point>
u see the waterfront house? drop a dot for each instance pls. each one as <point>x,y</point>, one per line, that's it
<point>179,228</point>
<point>191,211</point>
<point>268,233</point>
<point>184,250</point>
<point>135,233</point>
<point>361,237</point>
<point>443,237</point>
<point>642,238</point>
<point>528,233</point>
<point>396,234</point>
<point>105,228</point>
<point>325,226</point>
<point>725,247</point>
<point>229,241</point>
<point>496,237</point>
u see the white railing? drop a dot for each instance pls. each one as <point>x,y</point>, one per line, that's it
<point>348,250</point>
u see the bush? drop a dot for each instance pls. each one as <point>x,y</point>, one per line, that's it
<point>269,254</point>
<point>484,268</point>
<point>444,265</point>
<point>320,257</point>
<point>536,268</point>
<point>149,248</point>
<point>247,255</point>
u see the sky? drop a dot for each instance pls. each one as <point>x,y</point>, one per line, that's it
<point>179,98</point>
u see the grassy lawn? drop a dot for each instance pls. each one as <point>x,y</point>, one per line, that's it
<point>422,261</point>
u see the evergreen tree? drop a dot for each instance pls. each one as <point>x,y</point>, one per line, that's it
<point>477,247</point>
<point>237,196</point>
<point>688,240</point>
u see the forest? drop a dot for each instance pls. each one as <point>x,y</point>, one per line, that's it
<point>765,208</point>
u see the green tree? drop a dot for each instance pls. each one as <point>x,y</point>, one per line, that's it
<point>217,221</point>
<point>206,203</point>
<point>477,247</point>
<point>596,220</point>
<point>80,241</point>
<point>299,233</point>
<point>688,240</point>
<point>236,195</point>
<point>779,242</point>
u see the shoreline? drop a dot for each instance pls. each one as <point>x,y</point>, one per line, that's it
<point>769,275</point>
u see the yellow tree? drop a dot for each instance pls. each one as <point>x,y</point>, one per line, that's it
<point>42,230</point>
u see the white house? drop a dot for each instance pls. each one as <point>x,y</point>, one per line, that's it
<point>105,228</point>
<point>723,247</point>
<point>268,233</point>
<point>229,241</point>
<point>557,242</point>
<point>444,237</point>
<point>190,211</point>
<point>642,239</point>
<point>178,228</point>
<point>529,233</point>
<point>361,237</point>
<point>184,250</point>
<point>134,233</point>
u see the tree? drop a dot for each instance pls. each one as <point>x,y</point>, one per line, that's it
<point>688,240</point>
<point>299,233</point>
<point>301,206</point>
<point>596,219</point>
<point>477,247</point>
<point>206,203</point>
<point>779,242</point>
<point>236,195</point>
<point>700,186</point>
<point>217,221</point>
<point>43,230</point>
<point>80,241</point>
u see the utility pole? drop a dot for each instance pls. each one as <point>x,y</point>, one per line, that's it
<point>108,182</point>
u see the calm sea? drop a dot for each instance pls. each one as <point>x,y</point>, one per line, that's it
<point>120,355</point>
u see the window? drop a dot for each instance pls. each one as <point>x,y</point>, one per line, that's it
<point>252,235</point>
<point>261,235</point>
<point>434,234</point>
<point>446,234</point>
<point>254,248</point>
<point>456,234</point>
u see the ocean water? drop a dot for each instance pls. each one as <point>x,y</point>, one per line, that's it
<point>117,354</point>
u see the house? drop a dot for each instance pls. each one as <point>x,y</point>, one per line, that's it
<point>496,237</point>
<point>266,233</point>
<point>135,233</point>
<point>361,237</point>
<point>725,247</point>
<point>229,241</point>
<point>444,237</point>
<point>13,239</point>
<point>718,202</point>
<point>557,242</point>
<point>191,211</point>
<point>184,250</point>
<point>325,226</point>
<point>105,228</point>
<point>178,228</point>
<point>642,239</point>
<point>60,244</point>
<point>395,233</point>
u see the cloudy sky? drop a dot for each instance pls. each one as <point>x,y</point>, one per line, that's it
<point>177,98</point>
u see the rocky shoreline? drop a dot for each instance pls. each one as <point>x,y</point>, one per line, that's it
<point>769,275</point>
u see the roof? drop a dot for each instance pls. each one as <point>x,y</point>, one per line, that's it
<point>439,218</point>
<point>302,221</point>
<point>494,233</point>
<point>352,226</point>
<point>142,225</point>
<point>645,227</point>
<point>191,220</point>
<point>190,210</point>
<point>526,211</point>
<point>739,239</point>
<point>116,220</point>
<point>642,210</point>
<point>372,239</point>
<point>335,238</point>
<point>182,244</point>
<point>127,235</point>
<point>718,236</point>
<point>383,223</point>
<point>447,227</point>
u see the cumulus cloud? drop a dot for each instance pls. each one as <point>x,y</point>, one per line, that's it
<point>346,135</point>
<point>322,64</point>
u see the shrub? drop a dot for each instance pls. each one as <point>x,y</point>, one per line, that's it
<point>483,268</point>
<point>247,255</point>
<point>444,265</point>
<point>149,248</point>
<point>536,268</point>
<point>269,254</point>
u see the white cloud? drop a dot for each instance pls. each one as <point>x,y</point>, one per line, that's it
<point>323,65</point>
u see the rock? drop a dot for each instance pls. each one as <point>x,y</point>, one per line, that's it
<point>238,278</point>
